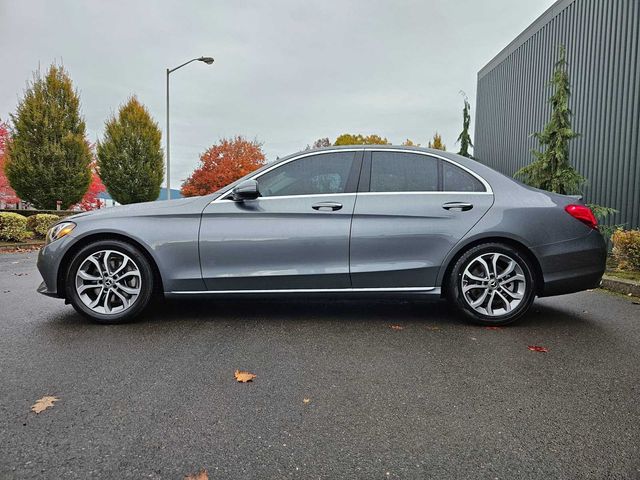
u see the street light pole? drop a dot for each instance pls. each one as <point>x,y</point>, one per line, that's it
<point>208,61</point>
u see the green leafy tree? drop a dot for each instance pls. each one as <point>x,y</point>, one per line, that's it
<point>48,157</point>
<point>130,158</point>
<point>465,137</point>
<point>349,139</point>
<point>551,169</point>
<point>437,143</point>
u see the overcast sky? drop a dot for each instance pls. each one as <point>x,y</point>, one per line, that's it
<point>286,71</point>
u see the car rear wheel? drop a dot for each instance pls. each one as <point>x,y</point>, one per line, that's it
<point>492,283</point>
<point>109,281</point>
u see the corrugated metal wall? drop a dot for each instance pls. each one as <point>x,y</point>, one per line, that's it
<point>603,55</point>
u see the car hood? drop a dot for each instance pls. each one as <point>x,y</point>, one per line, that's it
<point>158,208</point>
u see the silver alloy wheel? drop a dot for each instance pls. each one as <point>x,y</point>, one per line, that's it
<point>108,282</point>
<point>493,284</point>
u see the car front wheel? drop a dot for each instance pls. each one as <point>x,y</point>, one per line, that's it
<point>492,283</point>
<point>109,281</point>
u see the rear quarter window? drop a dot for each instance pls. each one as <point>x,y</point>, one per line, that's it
<point>455,179</point>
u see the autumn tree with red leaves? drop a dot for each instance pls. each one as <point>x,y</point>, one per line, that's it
<point>222,164</point>
<point>90,201</point>
<point>7,195</point>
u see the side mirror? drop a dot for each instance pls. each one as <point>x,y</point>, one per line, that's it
<point>247,190</point>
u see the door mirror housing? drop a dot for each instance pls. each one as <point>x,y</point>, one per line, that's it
<point>247,190</point>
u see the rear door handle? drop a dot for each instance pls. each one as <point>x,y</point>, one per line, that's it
<point>327,206</point>
<point>462,206</point>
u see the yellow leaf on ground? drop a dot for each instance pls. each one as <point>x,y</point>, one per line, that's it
<point>306,400</point>
<point>243,376</point>
<point>42,404</point>
<point>201,475</point>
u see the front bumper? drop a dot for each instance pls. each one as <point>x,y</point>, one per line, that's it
<point>573,265</point>
<point>49,261</point>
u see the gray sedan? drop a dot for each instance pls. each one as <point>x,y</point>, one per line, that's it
<point>366,220</point>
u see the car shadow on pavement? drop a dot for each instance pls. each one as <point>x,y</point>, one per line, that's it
<point>324,310</point>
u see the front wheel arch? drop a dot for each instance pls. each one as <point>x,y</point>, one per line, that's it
<point>79,245</point>
<point>522,249</point>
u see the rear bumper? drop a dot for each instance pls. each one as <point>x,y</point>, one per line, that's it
<point>573,265</point>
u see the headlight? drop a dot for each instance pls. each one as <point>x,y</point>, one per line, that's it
<point>59,230</point>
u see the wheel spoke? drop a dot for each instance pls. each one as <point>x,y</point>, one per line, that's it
<point>507,304</point>
<point>85,276</point>
<point>105,261</point>
<point>466,288</point>
<point>480,300</point>
<point>96,301</point>
<point>125,301</point>
<point>130,273</point>
<point>125,260</point>
<point>94,260</point>
<point>508,270</point>
<point>128,289</point>
<point>490,303</point>
<point>494,264</point>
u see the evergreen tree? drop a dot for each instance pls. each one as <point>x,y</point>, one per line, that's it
<point>130,158</point>
<point>48,156</point>
<point>551,169</point>
<point>465,137</point>
<point>436,143</point>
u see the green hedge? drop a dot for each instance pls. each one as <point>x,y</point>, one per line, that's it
<point>40,223</point>
<point>29,213</point>
<point>13,227</point>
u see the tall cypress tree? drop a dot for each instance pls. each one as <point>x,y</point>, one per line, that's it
<point>130,158</point>
<point>48,156</point>
<point>465,137</point>
<point>551,169</point>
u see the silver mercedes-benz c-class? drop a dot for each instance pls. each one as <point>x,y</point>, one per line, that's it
<point>352,220</point>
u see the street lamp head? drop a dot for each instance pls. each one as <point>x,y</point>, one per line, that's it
<point>207,60</point>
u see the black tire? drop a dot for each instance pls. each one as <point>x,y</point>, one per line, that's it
<point>455,284</point>
<point>145,286</point>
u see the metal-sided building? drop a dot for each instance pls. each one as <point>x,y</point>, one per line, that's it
<point>602,39</point>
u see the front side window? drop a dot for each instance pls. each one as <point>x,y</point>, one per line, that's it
<point>314,175</point>
<point>403,172</point>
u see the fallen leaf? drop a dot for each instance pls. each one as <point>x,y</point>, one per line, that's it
<point>433,328</point>
<point>635,303</point>
<point>42,404</point>
<point>306,400</point>
<point>536,348</point>
<point>201,475</point>
<point>493,328</point>
<point>243,376</point>
<point>396,327</point>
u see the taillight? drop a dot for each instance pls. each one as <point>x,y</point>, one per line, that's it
<point>582,213</point>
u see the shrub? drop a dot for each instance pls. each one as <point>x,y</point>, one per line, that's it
<point>626,249</point>
<point>13,227</point>
<point>41,223</point>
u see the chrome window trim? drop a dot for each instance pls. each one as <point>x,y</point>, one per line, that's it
<point>434,290</point>
<point>284,162</point>
<point>486,185</point>
<point>435,155</point>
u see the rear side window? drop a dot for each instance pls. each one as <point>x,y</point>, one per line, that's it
<point>313,175</point>
<point>454,179</point>
<point>403,172</point>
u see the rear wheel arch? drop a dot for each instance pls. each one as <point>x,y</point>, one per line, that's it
<point>519,246</point>
<point>89,239</point>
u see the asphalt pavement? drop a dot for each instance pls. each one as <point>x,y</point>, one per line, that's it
<point>434,397</point>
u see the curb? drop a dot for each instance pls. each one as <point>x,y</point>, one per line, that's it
<point>21,245</point>
<point>621,285</point>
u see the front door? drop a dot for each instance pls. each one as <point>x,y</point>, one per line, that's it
<point>411,210</point>
<point>295,236</point>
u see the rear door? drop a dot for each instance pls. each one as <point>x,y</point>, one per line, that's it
<point>412,208</point>
<point>295,236</point>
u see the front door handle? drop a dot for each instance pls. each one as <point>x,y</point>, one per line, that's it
<point>462,206</point>
<point>327,206</point>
